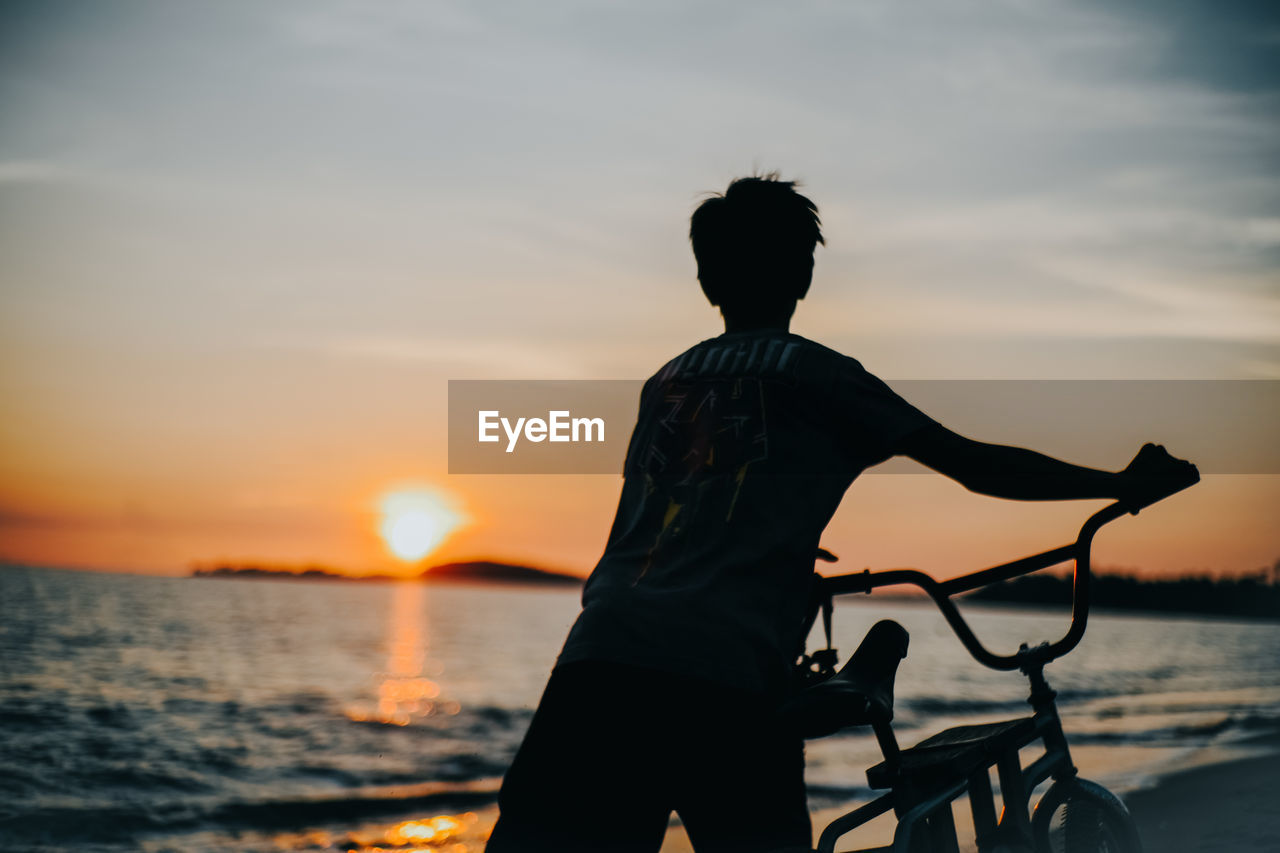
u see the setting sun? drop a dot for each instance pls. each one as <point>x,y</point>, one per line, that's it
<point>416,521</point>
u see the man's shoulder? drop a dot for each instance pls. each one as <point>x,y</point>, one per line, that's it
<point>832,355</point>
<point>758,354</point>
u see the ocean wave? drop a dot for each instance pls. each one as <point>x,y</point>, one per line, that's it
<point>828,795</point>
<point>1226,728</point>
<point>68,823</point>
<point>58,745</point>
<point>928,706</point>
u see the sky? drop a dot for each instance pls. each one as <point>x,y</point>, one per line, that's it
<point>244,245</point>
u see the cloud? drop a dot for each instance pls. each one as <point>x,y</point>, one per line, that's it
<point>1228,45</point>
<point>469,356</point>
<point>1176,306</point>
<point>523,173</point>
<point>30,171</point>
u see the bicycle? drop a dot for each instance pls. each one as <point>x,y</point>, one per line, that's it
<point>1075,815</point>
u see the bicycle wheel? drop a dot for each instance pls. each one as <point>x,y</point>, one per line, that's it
<point>1080,816</point>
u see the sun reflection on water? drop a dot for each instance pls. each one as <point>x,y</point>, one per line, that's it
<point>404,690</point>
<point>439,834</point>
<point>457,833</point>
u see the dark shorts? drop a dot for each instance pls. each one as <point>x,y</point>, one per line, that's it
<point>613,750</point>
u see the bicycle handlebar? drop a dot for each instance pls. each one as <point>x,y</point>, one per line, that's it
<point>941,591</point>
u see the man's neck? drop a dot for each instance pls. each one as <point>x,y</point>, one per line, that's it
<point>756,324</point>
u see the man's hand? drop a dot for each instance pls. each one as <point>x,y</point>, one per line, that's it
<point>1154,475</point>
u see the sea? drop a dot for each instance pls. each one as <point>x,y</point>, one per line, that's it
<point>187,714</point>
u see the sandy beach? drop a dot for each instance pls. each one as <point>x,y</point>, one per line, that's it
<point>1223,807</point>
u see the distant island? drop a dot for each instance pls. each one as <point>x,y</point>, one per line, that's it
<point>486,571</point>
<point>1253,596</point>
<point>469,572</point>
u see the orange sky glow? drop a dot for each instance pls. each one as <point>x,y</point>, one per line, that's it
<point>244,248</point>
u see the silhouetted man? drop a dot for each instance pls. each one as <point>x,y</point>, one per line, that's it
<point>664,696</point>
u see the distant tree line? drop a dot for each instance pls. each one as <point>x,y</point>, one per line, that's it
<point>1255,595</point>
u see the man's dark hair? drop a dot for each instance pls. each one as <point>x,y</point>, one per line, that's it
<point>754,245</point>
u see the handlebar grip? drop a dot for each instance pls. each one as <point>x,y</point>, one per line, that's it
<point>1162,488</point>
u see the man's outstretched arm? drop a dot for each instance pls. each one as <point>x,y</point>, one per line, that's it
<point>1018,474</point>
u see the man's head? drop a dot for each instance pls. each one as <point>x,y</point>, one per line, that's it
<point>754,246</point>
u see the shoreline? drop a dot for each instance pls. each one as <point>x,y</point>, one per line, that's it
<point>1229,806</point>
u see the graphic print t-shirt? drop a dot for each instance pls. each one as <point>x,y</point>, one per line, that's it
<point>743,448</point>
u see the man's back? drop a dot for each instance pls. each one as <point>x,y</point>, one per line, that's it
<point>744,446</point>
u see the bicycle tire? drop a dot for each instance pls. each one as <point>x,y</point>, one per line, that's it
<point>1079,816</point>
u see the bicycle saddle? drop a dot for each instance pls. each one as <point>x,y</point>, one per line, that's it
<point>860,694</point>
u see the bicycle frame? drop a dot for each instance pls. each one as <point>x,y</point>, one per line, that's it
<point>923,802</point>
